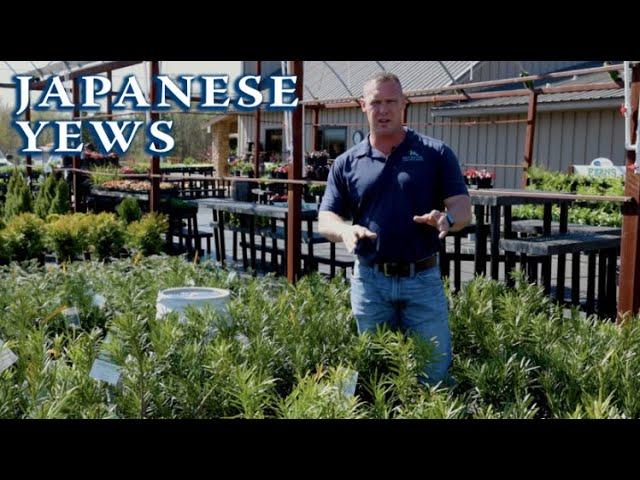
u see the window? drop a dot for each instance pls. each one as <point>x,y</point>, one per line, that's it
<point>273,143</point>
<point>332,139</point>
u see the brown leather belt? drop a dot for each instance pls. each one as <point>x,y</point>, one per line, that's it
<point>404,269</point>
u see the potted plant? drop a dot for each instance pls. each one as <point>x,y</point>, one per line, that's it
<point>485,178</point>
<point>479,178</point>
<point>317,158</point>
<point>247,169</point>
<point>469,176</point>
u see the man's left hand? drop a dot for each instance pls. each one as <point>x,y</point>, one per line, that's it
<point>436,219</point>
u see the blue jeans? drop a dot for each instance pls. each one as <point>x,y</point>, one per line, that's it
<point>415,305</point>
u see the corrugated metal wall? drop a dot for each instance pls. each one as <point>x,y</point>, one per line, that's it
<point>578,137</point>
<point>487,145</point>
<point>561,138</point>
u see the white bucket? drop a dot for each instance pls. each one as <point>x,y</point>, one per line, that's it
<point>178,299</point>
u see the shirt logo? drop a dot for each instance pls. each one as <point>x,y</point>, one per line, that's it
<point>413,157</point>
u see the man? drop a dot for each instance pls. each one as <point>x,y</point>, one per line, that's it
<point>393,185</point>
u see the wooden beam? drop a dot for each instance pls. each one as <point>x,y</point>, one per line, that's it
<point>154,199</point>
<point>629,295</point>
<point>530,135</point>
<point>75,162</point>
<point>294,191</point>
<point>256,137</point>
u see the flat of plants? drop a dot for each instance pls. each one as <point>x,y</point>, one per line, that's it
<point>291,351</point>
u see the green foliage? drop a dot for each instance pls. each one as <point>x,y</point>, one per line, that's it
<point>523,357</point>
<point>140,167</point>
<point>541,179</point>
<point>19,198</point>
<point>288,349</point>
<point>68,235</point>
<point>107,235</point>
<point>23,238</point>
<point>191,139</point>
<point>8,170</point>
<point>320,396</point>
<point>129,210</point>
<point>61,203</point>
<point>317,190</point>
<point>146,235</point>
<point>101,174</point>
<point>244,167</point>
<point>45,197</point>
<point>584,213</point>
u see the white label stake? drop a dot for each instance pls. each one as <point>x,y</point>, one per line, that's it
<point>71,317</point>
<point>349,388</point>
<point>99,301</point>
<point>102,368</point>
<point>7,357</point>
<point>105,371</point>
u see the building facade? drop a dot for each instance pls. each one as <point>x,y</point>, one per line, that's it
<point>571,128</point>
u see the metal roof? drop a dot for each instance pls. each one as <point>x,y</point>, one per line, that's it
<point>335,81</point>
<point>602,77</point>
<point>329,81</point>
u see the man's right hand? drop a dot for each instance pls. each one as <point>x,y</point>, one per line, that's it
<point>353,233</point>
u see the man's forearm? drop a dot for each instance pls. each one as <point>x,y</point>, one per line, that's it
<point>332,226</point>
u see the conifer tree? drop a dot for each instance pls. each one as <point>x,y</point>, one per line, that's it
<point>18,196</point>
<point>61,203</point>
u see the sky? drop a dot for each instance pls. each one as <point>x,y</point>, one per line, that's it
<point>7,96</point>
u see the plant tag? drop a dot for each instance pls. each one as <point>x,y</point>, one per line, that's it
<point>107,340</point>
<point>71,317</point>
<point>349,387</point>
<point>105,371</point>
<point>243,340</point>
<point>211,332</point>
<point>110,395</point>
<point>50,263</point>
<point>99,301</point>
<point>7,357</point>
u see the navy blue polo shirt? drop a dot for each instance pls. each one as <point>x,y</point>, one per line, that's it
<point>383,194</point>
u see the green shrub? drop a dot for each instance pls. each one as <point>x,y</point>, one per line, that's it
<point>68,235</point>
<point>516,354</point>
<point>103,174</point>
<point>19,198</point>
<point>317,189</point>
<point>107,235</point>
<point>23,238</point>
<point>541,179</point>
<point>45,197</point>
<point>146,234</point>
<point>129,210</point>
<point>61,204</point>
<point>20,168</point>
<point>584,213</point>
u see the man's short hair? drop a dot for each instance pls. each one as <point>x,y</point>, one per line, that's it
<point>381,77</point>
